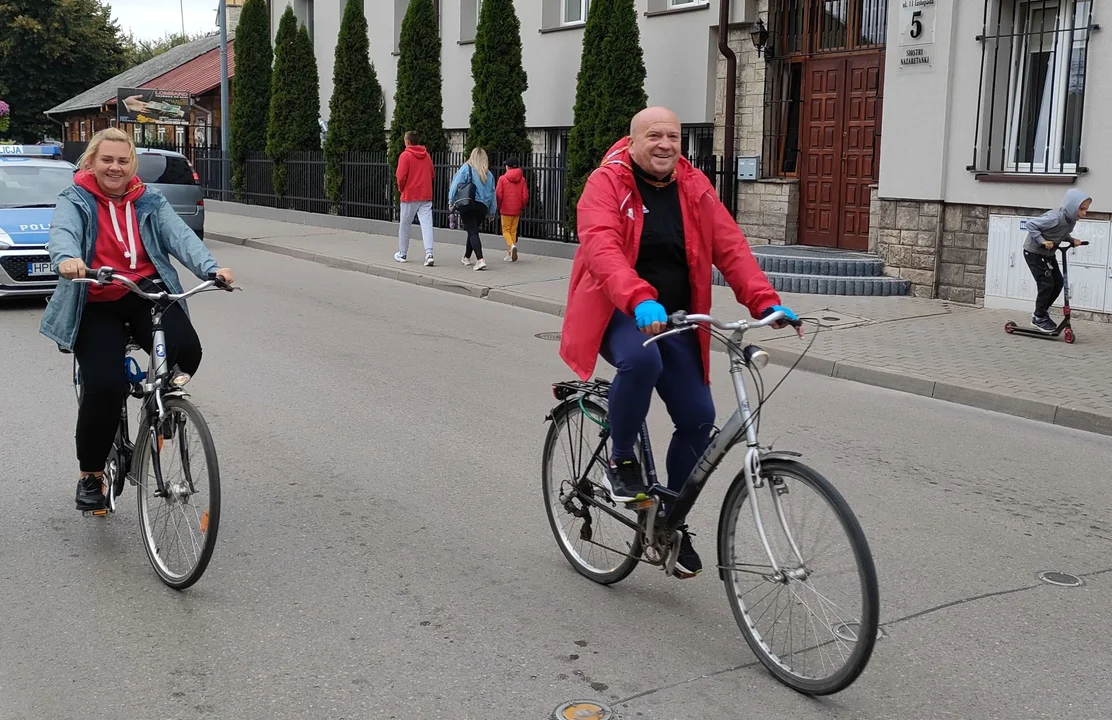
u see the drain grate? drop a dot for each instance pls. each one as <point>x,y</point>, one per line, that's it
<point>1061,579</point>
<point>548,336</point>
<point>583,710</point>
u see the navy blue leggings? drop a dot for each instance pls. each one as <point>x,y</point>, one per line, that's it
<point>674,367</point>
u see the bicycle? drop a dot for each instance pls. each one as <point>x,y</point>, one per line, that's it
<point>776,563</point>
<point>164,417</point>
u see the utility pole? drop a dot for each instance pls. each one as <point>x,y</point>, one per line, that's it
<point>225,119</point>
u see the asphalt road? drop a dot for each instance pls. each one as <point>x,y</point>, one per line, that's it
<point>384,551</point>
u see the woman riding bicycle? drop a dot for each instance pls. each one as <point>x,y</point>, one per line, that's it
<point>109,218</point>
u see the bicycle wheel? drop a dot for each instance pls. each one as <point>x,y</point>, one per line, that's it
<point>598,545</point>
<point>827,592</point>
<point>179,528</point>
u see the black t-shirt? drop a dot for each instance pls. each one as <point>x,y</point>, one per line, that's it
<point>662,258</point>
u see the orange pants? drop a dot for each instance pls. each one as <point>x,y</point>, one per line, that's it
<point>509,229</point>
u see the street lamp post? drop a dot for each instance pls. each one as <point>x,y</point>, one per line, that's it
<point>225,120</point>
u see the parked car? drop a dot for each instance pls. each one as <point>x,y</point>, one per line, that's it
<point>31,176</point>
<point>172,174</point>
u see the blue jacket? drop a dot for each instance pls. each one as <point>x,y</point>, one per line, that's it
<point>73,234</point>
<point>484,192</point>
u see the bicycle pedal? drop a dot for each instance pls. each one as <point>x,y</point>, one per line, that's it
<point>640,503</point>
<point>103,512</point>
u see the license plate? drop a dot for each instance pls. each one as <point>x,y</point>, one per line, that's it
<point>39,269</point>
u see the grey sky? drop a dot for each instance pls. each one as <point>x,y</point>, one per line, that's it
<point>150,19</point>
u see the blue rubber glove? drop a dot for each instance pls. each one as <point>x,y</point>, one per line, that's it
<point>648,312</point>
<point>788,314</point>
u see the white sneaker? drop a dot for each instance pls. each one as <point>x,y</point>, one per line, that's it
<point>507,258</point>
<point>466,261</point>
<point>399,257</point>
<point>513,253</point>
<point>481,265</point>
<point>428,260</point>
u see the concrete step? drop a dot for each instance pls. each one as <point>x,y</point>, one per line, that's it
<point>873,286</point>
<point>817,261</point>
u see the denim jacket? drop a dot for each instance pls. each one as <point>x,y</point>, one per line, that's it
<point>484,192</point>
<point>73,234</point>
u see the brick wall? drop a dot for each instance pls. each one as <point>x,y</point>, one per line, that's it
<point>904,233</point>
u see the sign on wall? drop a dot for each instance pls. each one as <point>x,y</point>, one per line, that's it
<point>148,105</point>
<point>916,34</point>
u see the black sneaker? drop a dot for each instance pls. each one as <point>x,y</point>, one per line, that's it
<point>1044,323</point>
<point>627,481</point>
<point>90,493</point>
<point>688,564</point>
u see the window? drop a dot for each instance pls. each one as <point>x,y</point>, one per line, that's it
<point>813,26</point>
<point>158,169</point>
<point>575,12</point>
<point>1032,95</point>
<point>686,3</point>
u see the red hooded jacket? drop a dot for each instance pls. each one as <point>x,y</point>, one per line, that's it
<point>118,243</point>
<point>512,193</point>
<point>415,174</point>
<point>602,276</point>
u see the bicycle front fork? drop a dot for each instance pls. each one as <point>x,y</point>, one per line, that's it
<point>753,481</point>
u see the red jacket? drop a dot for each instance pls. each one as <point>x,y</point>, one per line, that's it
<point>602,276</point>
<point>512,193</point>
<point>415,174</point>
<point>118,244</point>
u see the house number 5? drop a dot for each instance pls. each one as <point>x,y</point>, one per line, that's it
<point>916,24</point>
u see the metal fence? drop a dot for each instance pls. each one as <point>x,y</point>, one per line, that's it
<point>369,187</point>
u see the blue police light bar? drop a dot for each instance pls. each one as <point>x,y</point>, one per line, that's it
<point>31,150</point>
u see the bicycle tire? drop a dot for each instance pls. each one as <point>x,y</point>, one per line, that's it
<point>142,458</point>
<point>870,591</point>
<point>560,419</point>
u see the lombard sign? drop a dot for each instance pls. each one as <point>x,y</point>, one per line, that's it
<point>151,106</point>
<point>916,33</point>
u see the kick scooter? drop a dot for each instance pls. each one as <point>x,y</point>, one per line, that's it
<point>1064,328</point>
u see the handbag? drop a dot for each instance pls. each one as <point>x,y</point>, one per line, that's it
<point>465,193</point>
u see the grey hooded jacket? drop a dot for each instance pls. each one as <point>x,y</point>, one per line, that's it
<point>1055,225</point>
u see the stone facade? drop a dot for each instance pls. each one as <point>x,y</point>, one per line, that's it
<point>768,209</point>
<point>909,234</point>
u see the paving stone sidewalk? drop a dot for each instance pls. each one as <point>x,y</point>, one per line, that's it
<point>933,348</point>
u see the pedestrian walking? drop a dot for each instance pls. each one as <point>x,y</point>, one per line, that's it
<point>473,195</point>
<point>1044,233</point>
<point>512,195</point>
<point>414,177</point>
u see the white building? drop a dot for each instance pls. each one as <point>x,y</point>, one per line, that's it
<point>679,38</point>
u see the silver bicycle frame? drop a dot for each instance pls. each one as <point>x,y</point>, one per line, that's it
<point>738,425</point>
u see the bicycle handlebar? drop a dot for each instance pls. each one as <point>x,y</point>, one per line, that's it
<point>681,322</point>
<point>107,275</point>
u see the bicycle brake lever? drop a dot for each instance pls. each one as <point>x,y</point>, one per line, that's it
<point>674,331</point>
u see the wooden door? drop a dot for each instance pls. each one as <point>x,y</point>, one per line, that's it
<point>840,150</point>
<point>859,149</point>
<point>820,183</point>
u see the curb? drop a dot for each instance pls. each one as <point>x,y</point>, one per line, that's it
<point>1060,415</point>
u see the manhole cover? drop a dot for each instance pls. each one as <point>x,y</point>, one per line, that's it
<point>1059,578</point>
<point>831,318</point>
<point>848,631</point>
<point>548,336</point>
<point>583,710</point>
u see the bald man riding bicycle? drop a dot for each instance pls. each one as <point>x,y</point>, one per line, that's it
<point>650,226</point>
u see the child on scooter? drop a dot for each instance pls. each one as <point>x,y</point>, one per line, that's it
<point>1044,234</point>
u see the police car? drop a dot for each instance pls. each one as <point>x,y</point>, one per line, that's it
<point>31,176</point>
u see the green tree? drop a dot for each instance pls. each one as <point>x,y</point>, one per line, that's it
<point>418,103</point>
<point>50,51</point>
<point>357,110</point>
<point>294,97</point>
<point>610,90</point>
<point>138,51</point>
<point>250,89</point>
<point>498,95</point>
